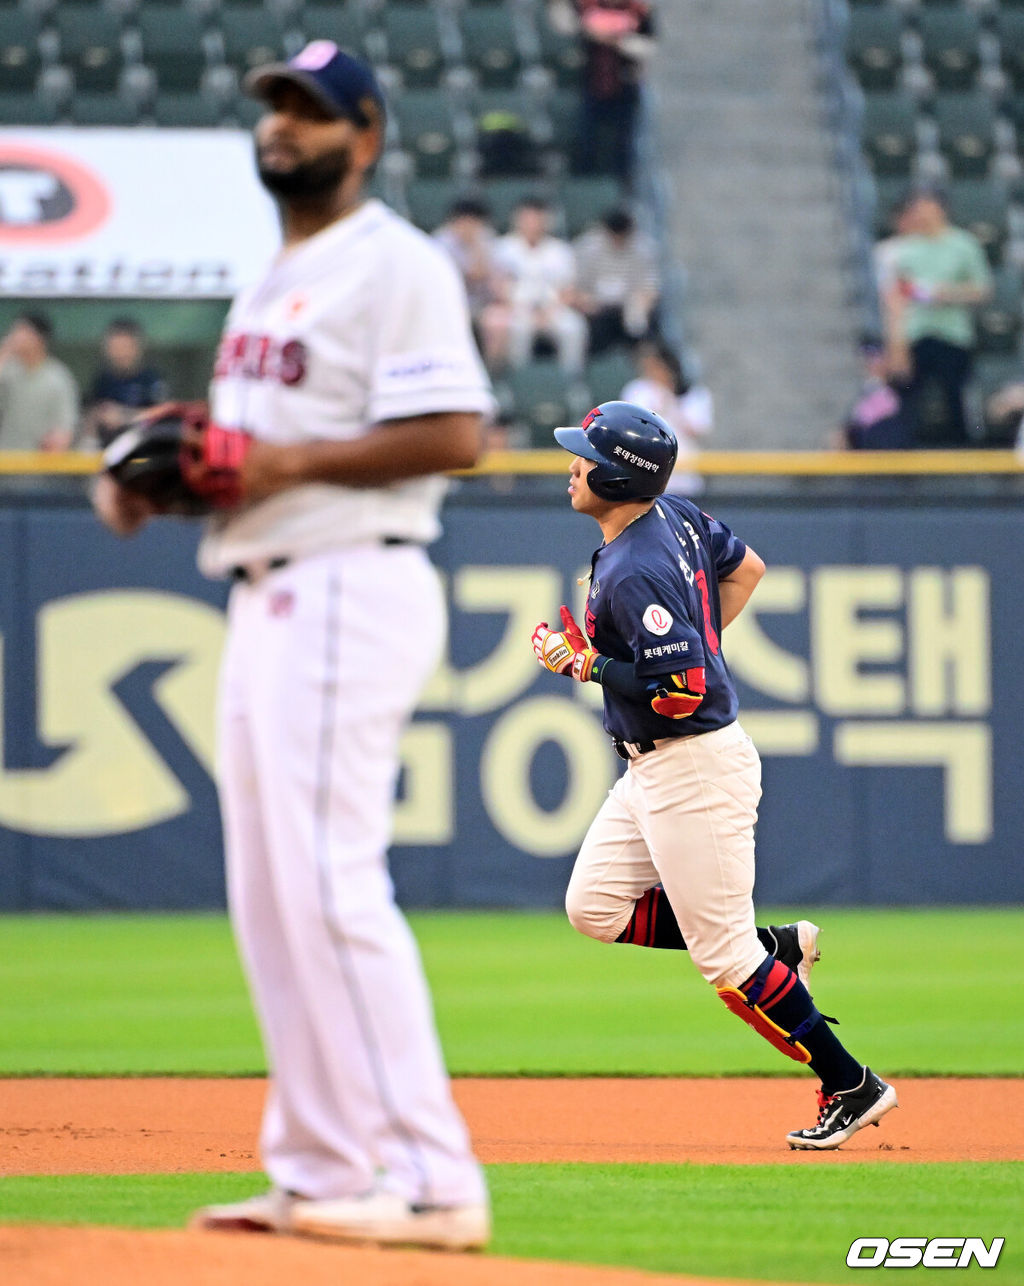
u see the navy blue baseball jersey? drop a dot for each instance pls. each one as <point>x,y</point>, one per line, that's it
<point>654,603</point>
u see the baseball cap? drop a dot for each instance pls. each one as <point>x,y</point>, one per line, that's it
<point>341,84</point>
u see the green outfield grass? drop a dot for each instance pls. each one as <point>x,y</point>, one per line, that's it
<point>787,1223</point>
<point>926,992</point>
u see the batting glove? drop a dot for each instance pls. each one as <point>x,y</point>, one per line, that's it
<point>564,651</point>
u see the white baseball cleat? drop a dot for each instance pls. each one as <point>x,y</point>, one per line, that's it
<point>267,1212</point>
<point>384,1219</point>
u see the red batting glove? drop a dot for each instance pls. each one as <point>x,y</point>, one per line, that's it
<point>212,465</point>
<point>564,651</point>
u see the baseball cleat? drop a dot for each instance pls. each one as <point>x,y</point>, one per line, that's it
<point>842,1114</point>
<point>384,1219</point>
<point>797,947</point>
<point>267,1212</point>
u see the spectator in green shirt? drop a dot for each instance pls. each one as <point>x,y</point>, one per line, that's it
<point>38,394</point>
<point>943,273</point>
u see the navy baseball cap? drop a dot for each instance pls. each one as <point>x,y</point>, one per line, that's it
<point>341,84</point>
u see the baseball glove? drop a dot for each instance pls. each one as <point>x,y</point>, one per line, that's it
<point>177,460</point>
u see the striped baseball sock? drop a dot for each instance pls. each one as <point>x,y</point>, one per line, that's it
<point>653,924</point>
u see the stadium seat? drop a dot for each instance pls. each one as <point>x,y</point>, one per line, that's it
<point>585,199</point>
<point>26,108</point>
<point>173,45</point>
<point>889,132</point>
<point>177,111</point>
<point>1010,30</point>
<point>428,201</point>
<point>251,37</point>
<point>873,47</point>
<point>503,195</point>
<point>413,41</point>
<point>981,206</point>
<point>540,395</point>
<point>19,51</point>
<point>489,45</point>
<point>103,108</point>
<point>889,192</point>
<point>562,113</point>
<point>999,321</point>
<point>949,47</point>
<point>90,45</point>
<point>344,24</point>
<point>609,373</point>
<point>427,129</point>
<point>966,124</point>
<point>560,53</point>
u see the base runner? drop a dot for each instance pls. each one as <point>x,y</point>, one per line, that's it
<point>669,858</point>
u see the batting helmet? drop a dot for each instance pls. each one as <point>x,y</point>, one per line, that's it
<point>634,451</point>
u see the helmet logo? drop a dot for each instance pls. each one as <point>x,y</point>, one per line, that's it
<point>590,417</point>
<point>631,457</point>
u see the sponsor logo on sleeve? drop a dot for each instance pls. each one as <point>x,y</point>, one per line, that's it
<point>657,620</point>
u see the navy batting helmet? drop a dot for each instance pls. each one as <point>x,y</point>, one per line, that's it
<point>634,450</point>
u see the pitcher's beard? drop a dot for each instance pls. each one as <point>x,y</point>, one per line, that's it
<point>309,180</point>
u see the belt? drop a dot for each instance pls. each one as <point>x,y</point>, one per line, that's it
<point>254,571</point>
<point>634,749</point>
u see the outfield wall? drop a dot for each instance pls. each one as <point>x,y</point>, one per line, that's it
<point>879,669</point>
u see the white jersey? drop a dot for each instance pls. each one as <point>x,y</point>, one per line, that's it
<point>342,334</point>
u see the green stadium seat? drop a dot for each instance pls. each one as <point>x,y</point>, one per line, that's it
<point>889,132</point>
<point>609,373</point>
<point>889,192</point>
<point>489,45</point>
<point>967,124</point>
<point>99,108</point>
<point>873,48</point>
<point>177,111</point>
<point>585,199</point>
<point>413,40</point>
<point>429,200</point>
<point>173,45</point>
<point>20,62</point>
<point>1010,30</point>
<point>949,46</point>
<point>427,129</point>
<point>562,110</point>
<point>981,206</point>
<point>90,45</point>
<point>540,396</point>
<point>503,195</point>
<point>251,37</point>
<point>560,53</point>
<point>345,24</point>
<point>26,108</point>
<point>999,321</point>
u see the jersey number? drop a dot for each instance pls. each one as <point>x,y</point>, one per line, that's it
<point>705,598</point>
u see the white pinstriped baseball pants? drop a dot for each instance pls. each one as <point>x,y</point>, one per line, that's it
<point>324,662</point>
<point>682,815</point>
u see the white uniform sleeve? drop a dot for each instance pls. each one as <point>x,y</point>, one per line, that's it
<point>425,358</point>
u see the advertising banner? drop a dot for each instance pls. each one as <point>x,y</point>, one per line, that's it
<point>877,665</point>
<point>142,213</point>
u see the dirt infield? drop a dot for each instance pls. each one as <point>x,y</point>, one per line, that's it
<point>168,1125</point>
<point>58,1126</point>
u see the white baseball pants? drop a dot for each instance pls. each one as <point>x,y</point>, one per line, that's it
<point>682,815</point>
<point>324,662</point>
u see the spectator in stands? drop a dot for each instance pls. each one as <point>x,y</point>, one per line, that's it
<point>469,237</point>
<point>124,384</point>
<point>943,273</point>
<point>901,223</point>
<point>686,407</point>
<point>536,280</point>
<point>879,419</point>
<point>38,394</point>
<point>617,281</point>
<point>618,39</point>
